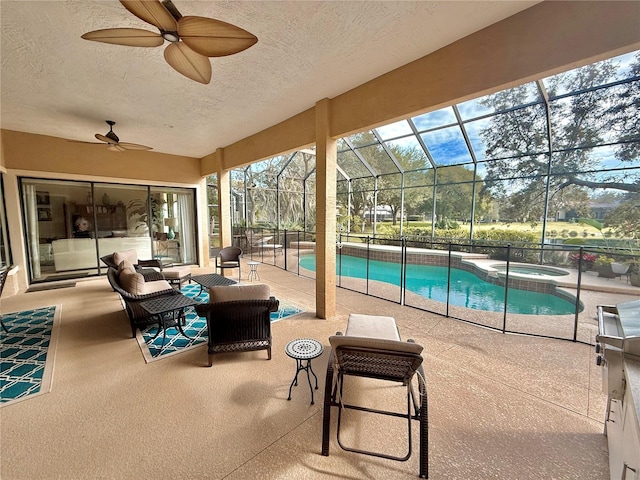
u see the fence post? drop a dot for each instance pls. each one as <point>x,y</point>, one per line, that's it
<point>368,243</point>
<point>506,290</point>
<point>448,280</point>
<point>575,320</point>
<point>403,270</point>
<point>340,259</point>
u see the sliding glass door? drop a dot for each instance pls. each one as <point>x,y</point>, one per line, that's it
<point>174,225</point>
<point>69,225</point>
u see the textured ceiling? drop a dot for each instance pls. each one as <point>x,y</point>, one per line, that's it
<point>54,83</point>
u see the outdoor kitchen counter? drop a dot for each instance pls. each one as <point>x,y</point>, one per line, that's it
<point>632,369</point>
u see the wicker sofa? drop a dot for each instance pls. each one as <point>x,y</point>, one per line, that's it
<point>238,318</point>
<point>133,296</point>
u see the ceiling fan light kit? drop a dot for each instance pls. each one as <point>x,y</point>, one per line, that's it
<point>192,40</point>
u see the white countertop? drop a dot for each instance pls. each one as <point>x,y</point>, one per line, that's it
<point>632,369</point>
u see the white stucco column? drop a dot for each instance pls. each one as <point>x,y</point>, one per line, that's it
<point>326,157</point>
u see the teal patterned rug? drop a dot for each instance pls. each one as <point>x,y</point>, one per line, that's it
<point>27,353</point>
<point>196,328</point>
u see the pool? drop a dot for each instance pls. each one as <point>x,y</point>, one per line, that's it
<point>531,270</point>
<point>466,289</point>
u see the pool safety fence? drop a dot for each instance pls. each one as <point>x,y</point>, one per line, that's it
<point>520,273</point>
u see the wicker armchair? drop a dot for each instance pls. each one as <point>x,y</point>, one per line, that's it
<point>138,317</point>
<point>238,325</point>
<point>372,348</point>
<point>150,274</point>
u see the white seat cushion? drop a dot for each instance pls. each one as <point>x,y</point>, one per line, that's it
<point>372,326</point>
<point>155,286</point>
<point>228,264</point>
<point>176,273</point>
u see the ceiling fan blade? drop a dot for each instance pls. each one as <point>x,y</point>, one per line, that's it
<point>133,37</point>
<point>99,136</point>
<point>88,143</point>
<point>214,38</point>
<point>189,63</point>
<point>152,12</point>
<point>133,146</point>
<point>115,148</point>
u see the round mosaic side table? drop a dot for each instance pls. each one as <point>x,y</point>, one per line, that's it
<point>303,350</point>
<point>253,271</point>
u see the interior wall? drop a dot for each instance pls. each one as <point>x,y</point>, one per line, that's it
<point>41,153</point>
<point>41,156</point>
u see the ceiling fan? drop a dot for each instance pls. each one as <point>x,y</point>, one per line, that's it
<point>113,142</point>
<point>191,39</point>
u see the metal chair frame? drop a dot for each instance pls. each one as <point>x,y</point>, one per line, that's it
<point>384,365</point>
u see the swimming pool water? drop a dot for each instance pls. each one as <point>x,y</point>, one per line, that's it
<point>467,290</point>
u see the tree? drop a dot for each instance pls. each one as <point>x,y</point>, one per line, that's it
<point>517,145</point>
<point>389,191</point>
<point>454,194</point>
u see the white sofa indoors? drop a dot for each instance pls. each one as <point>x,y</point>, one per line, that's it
<point>80,253</point>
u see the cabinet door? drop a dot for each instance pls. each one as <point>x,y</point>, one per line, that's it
<point>614,438</point>
<point>630,440</point>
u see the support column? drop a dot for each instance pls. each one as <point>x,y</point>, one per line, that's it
<point>224,200</point>
<point>326,161</point>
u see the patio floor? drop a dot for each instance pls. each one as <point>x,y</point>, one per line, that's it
<point>500,406</point>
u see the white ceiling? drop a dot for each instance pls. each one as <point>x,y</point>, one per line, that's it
<point>54,83</point>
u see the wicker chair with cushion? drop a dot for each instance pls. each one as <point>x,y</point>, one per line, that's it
<point>371,347</point>
<point>238,318</point>
<point>134,290</point>
<point>228,257</point>
<point>151,273</point>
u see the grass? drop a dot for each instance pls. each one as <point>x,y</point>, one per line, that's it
<point>557,227</point>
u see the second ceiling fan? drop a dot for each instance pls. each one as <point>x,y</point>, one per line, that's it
<point>113,142</point>
<point>192,39</point>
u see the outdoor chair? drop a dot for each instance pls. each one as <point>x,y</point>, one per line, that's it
<point>134,289</point>
<point>261,243</point>
<point>228,257</point>
<point>4,271</point>
<point>238,318</point>
<point>371,347</point>
<point>155,270</point>
<point>150,273</point>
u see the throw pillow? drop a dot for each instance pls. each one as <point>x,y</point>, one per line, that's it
<point>130,255</point>
<point>239,292</point>
<point>125,265</point>
<point>132,282</point>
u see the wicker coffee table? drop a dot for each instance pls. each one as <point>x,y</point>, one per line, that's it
<point>169,312</point>
<point>211,280</point>
<point>303,350</point>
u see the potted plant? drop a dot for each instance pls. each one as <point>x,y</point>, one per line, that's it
<point>620,268</point>
<point>584,262</point>
<point>602,265</point>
